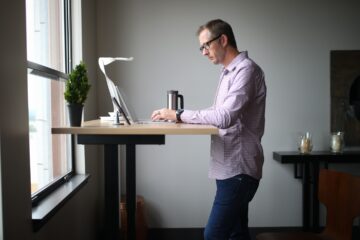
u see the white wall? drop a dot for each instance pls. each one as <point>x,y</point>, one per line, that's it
<point>291,40</point>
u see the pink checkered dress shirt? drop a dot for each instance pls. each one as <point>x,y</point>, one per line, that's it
<point>239,113</point>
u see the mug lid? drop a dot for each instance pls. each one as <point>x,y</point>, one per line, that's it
<point>172,91</point>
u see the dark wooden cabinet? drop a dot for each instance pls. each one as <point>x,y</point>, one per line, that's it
<point>306,168</point>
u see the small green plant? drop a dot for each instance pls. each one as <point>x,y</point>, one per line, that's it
<point>77,86</point>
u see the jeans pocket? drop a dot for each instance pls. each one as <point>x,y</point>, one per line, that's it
<point>249,186</point>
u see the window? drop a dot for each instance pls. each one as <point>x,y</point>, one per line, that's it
<point>48,53</point>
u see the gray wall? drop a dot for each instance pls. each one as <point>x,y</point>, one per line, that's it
<point>291,40</point>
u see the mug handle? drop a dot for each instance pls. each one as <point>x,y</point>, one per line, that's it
<point>181,101</point>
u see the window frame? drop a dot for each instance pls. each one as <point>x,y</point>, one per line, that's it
<point>68,36</point>
<point>52,75</point>
<point>55,75</point>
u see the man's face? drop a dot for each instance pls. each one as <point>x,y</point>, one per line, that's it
<point>211,47</point>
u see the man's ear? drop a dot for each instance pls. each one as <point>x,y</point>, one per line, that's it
<point>224,41</point>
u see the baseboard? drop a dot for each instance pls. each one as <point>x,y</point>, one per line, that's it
<point>175,233</point>
<point>197,233</point>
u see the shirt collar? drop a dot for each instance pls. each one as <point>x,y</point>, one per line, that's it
<point>235,62</point>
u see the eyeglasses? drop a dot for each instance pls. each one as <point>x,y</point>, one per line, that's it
<point>207,44</point>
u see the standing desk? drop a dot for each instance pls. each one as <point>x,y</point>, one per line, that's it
<point>110,136</point>
<point>307,167</point>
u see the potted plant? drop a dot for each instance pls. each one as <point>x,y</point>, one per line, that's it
<point>76,90</point>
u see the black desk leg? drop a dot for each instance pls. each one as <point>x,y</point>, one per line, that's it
<point>111,192</point>
<point>315,201</point>
<point>306,195</point>
<point>131,190</point>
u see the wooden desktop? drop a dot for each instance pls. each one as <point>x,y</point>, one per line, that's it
<point>97,132</point>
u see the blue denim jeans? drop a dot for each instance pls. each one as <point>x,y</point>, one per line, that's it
<point>229,214</point>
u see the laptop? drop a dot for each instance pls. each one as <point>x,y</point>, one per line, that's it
<point>119,102</point>
<point>128,111</point>
<point>121,111</point>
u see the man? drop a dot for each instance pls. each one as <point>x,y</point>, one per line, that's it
<point>238,112</point>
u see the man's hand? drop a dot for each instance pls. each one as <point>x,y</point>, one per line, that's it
<point>164,114</point>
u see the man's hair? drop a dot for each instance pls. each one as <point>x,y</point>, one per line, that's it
<point>218,27</point>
